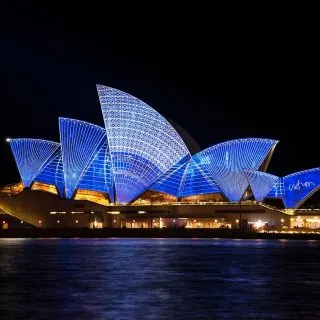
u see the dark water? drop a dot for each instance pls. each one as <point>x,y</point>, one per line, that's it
<point>159,279</point>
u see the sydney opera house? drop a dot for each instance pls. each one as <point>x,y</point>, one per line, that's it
<point>142,171</point>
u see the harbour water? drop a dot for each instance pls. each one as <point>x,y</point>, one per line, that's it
<point>159,279</point>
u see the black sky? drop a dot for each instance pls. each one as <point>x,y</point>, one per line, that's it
<point>219,77</point>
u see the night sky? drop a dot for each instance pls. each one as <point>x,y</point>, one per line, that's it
<point>218,77</point>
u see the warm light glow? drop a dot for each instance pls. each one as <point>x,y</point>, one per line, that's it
<point>21,221</point>
<point>313,220</point>
<point>152,197</point>
<point>58,221</point>
<point>8,140</point>
<point>113,212</point>
<point>3,222</point>
<point>77,221</point>
<point>259,224</point>
<point>282,220</point>
<point>114,221</point>
<point>141,212</point>
<point>237,221</point>
<point>195,181</point>
<point>44,187</point>
<point>40,221</point>
<point>93,196</point>
<point>12,189</point>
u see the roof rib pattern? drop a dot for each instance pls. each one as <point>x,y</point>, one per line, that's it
<point>226,161</point>
<point>143,144</point>
<point>79,142</point>
<point>197,180</point>
<point>52,172</point>
<point>30,155</point>
<point>261,183</point>
<point>98,175</point>
<point>170,182</point>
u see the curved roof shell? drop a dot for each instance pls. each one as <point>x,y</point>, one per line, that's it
<point>80,142</point>
<point>299,186</point>
<point>226,161</point>
<point>143,144</point>
<point>30,156</point>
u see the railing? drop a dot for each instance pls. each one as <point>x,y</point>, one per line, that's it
<point>218,203</point>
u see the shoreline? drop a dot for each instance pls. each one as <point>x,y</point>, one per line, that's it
<point>152,233</point>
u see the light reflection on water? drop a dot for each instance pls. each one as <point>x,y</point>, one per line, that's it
<point>159,279</point>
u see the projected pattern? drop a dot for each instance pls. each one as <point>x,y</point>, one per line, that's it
<point>261,183</point>
<point>299,186</point>
<point>197,180</point>
<point>79,142</point>
<point>277,190</point>
<point>52,172</point>
<point>98,175</point>
<point>226,161</point>
<point>139,134</point>
<point>171,181</point>
<point>30,155</point>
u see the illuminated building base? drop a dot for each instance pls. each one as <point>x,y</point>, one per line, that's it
<point>46,210</point>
